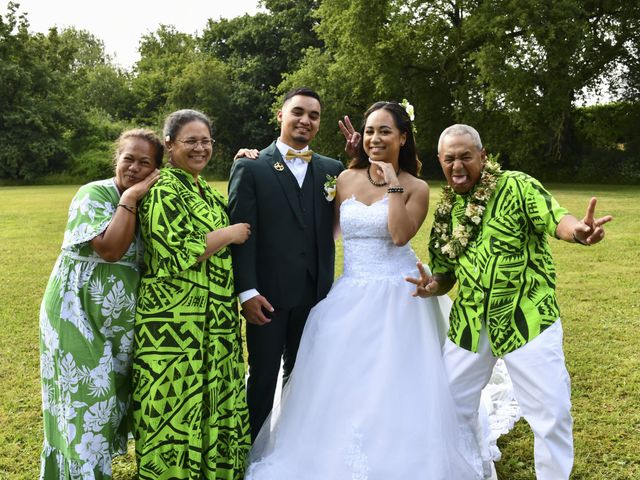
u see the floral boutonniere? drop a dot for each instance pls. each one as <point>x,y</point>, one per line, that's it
<point>330,188</point>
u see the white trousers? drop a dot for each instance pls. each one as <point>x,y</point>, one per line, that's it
<point>542,388</point>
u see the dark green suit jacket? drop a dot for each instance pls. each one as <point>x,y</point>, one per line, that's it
<point>272,260</point>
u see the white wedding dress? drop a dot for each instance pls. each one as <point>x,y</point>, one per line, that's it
<point>368,398</point>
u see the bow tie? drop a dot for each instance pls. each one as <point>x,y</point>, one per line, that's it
<point>306,155</point>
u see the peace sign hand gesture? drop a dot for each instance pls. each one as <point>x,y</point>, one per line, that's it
<point>353,137</point>
<point>589,230</point>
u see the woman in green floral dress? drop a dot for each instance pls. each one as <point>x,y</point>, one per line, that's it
<point>86,318</point>
<point>190,412</point>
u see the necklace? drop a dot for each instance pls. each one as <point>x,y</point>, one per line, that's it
<point>373,182</point>
<point>453,244</point>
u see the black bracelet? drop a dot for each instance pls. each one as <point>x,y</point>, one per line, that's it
<point>395,189</point>
<point>128,208</point>
<point>577,240</point>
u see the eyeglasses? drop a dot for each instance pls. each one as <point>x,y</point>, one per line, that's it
<point>193,143</point>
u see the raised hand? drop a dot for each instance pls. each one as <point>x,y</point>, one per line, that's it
<point>426,285</point>
<point>352,137</point>
<point>135,192</point>
<point>386,171</point>
<point>589,230</point>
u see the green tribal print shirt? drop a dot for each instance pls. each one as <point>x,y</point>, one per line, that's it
<point>506,277</point>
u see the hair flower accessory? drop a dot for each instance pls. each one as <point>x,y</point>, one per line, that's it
<point>408,108</point>
<point>411,113</point>
<point>330,188</point>
<point>452,244</point>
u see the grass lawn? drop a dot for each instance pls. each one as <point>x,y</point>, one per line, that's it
<point>598,289</point>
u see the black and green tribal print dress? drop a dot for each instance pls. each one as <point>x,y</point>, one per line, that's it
<point>190,412</point>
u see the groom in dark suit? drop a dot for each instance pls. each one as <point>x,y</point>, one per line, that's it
<point>286,265</point>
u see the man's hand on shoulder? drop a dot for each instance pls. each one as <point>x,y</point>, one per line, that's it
<point>257,310</point>
<point>250,153</point>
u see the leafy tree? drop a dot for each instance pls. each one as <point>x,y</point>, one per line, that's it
<point>514,69</point>
<point>164,54</point>
<point>258,50</point>
<point>204,85</point>
<point>536,59</point>
<point>35,114</point>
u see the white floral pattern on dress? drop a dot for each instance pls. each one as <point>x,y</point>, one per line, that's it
<point>86,343</point>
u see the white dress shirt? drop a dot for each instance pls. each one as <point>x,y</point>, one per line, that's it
<point>297,166</point>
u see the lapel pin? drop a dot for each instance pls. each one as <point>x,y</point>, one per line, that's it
<point>278,166</point>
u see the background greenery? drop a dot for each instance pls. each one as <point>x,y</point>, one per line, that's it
<point>518,70</point>
<point>598,292</point>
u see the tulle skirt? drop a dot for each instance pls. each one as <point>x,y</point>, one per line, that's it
<point>368,398</point>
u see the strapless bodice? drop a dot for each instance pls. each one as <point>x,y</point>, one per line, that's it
<point>369,252</point>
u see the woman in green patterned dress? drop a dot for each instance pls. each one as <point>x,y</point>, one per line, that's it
<point>86,318</point>
<point>190,411</point>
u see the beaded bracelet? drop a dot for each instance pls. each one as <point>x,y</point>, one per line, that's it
<point>395,189</point>
<point>128,208</point>
<point>577,240</point>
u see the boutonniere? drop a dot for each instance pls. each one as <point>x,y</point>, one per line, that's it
<point>330,188</point>
<point>278,166</point>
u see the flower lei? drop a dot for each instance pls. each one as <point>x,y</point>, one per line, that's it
<point>453,244</point>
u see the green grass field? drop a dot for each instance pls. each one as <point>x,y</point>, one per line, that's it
<point>599,293</point>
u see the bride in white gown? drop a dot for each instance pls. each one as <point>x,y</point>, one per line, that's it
<point>368,398</point>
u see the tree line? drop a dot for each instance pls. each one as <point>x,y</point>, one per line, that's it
<point>519,71</point>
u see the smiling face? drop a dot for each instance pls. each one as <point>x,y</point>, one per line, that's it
<point>135,160</point>
<point>461,161</point>
<point>299,121</point>
<point>382,139</point>
<point>184,154</point>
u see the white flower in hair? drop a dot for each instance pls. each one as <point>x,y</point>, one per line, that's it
<point>408,108</point>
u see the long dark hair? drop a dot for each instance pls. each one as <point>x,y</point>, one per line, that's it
<point>408,159</point>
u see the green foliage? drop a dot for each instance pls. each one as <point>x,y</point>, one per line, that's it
<point>30,115</point>
<point>609,143</point>
<point>258,50</point>
<point>516,70</point>
<point>165,53</point>
<point>204,85</point>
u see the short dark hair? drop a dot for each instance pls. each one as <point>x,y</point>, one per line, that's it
<point>304,91</point>
<point>178,119</point>
<point>408,158</point>
<point>143,134</point>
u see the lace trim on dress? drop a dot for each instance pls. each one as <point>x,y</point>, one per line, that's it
<point>502,408</point>
<point>355,458</point>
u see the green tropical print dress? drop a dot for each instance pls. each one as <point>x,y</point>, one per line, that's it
<point>190,412</point>
<point>86,342</point>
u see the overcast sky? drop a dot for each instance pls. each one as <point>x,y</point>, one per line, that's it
<point>121,23</point>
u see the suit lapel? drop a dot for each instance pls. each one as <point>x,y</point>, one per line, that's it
<point>288,186</point>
